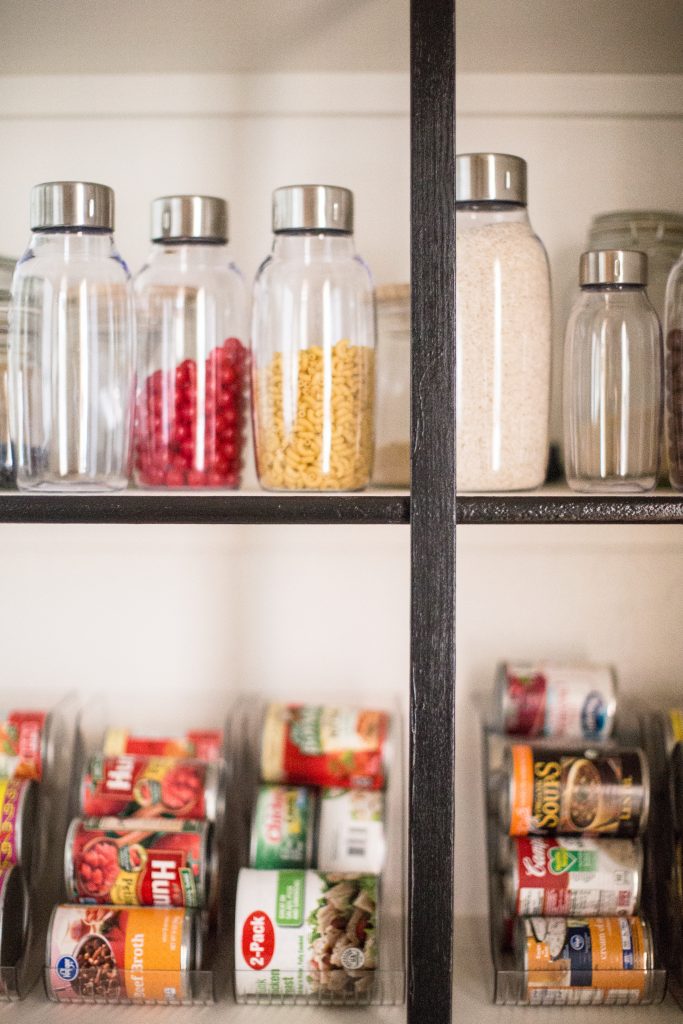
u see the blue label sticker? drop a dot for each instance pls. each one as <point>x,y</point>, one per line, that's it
<point>67,968</point>
<point>594,716</point>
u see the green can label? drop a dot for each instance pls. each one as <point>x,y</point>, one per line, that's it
<point>289,909</point>
<point>281,832</point>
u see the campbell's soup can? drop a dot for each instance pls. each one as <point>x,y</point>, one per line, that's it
<point>556,792</point>
<point>589,961</point>
<point>351,834</point>
<point>206,744</point>
<point>24,744</point>
<point>18,805</point>
<point>160,862</point>
<point>313,745</point>
<point>305,932</point>
<point>109,954</point>
<point>551,699</point>
<point>574,876</point>
<point>283,827</point>
<point>14,915</point>
<point>135,785</point>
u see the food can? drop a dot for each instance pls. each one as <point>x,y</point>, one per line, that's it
<point>305,933</point>
<point>134,785</point>
<point>109,954</point>
<point>555,792</point>
<point>24,744</point>
<point>575,876</point>
<point>351,831</point>
<point>308,744</point>
<point>588,962</point>
<point>13,922</point>
<point>206,745</point>
<point>18,805</point>
<point>676,786</point>
<point>672,721</point>
<point>137,863</point>
<point>550,699</point>
<point>283,827</point>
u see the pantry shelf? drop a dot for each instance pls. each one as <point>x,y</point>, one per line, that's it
<point>556,505</point>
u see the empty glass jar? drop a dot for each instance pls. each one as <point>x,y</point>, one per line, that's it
<point>71,345</point>
<point>313,340</point>
<point>612,377</point>
<point>392,447</point>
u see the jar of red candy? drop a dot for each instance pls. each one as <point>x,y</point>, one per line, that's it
<point>193,367</point>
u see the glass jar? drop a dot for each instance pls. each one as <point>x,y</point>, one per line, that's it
<point>392,448</point>
<point>613,377</point>
<point>193,365</point>
<point>7,471</point>
<point>313,339</point>
<point>503,329</point>
<point>71,345</point>
<point>674,373</point>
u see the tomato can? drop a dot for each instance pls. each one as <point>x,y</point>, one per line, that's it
<point>305,933</point>
<point>138,863</point>
<point>576,876</point>
<point>206,745</point>
<point>14,913</point>
<point>573,701</point>
<point>18,805</point>
<point>24,744</point>
<point>585,961</point>
<point>109,954</point>
<point>351,833</point>
<point>308,744</point>
<point>283,827</point>
<point>134,785</point>
<point>565,791</point>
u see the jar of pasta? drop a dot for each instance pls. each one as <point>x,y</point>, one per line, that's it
<point>313,340</point>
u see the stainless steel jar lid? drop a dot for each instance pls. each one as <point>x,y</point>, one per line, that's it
<point>613,266</point>
<point>189,219</point>
<point>72,204</point>
<point>313,208</point>
<point>490,178</point>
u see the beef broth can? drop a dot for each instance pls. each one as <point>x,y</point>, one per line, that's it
<point>351,831</point>
<point>18,803</point>
<point>551,699</point>
<point>203,744</point>
<point>576,876</point>
<point>300,933</point>
<point>283,827</point>
<point>136,785</point>
<point>560,792</point>
<point>24,744</point>
<point>587,962</point>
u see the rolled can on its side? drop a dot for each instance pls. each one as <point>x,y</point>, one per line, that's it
<point>570,701</point>
<point>18,807</point>
<point>14,917</point>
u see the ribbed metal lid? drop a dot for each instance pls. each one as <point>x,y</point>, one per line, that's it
<point>613,266</point>
<point>72,204</point>
<point>189,218</point>
<point>490,178</point>
<point>313,208</point>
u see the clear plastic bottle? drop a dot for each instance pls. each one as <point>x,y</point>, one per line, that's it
<point>613,377</point>
<point>71,345</point>
<point>674,373</point>
<point>193,366</point>
<point>313,340</point>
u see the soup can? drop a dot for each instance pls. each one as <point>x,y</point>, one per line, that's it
<point>18,805</point>
<point>351,833</point>
<point>109,954</point>
<point>24,744</point>
<point>565,791</point>
<point>588,962</point>
<point>156,863</point>
<point>283,827</point>
<point>312,745</point>
<point>14,912</point>
<point>301,933</point>
<point>574,876</point>
<point>206,745</point>
<point>573,701</point>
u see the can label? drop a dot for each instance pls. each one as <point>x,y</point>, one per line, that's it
<point>103,953</point>
<point>324,746</point>
<point>676,724</point>
<point>132,784</point>
<point>555,792</point>
<point>351,831</point>
<point>11,791</point>
<point>579,877</point>
<point>574,701</point>
<point>202,744</point>
<point>137,867</point>
<point>283,823</point>
<point>302,932</point>
<point>21,744</point>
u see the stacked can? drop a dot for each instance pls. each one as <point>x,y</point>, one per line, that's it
<point>673,721</point>
<point>317,850</point>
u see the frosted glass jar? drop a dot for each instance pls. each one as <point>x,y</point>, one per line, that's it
<point>503,329</point>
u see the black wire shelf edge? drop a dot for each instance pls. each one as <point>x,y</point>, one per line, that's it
<point>551,509</point>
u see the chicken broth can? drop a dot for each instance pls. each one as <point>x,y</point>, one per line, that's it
<point>587,962</point>
<point>351,831</point>
<point>550,699</point>
<point>203,744</point>
<point>24,740</point>
<point>305,933</point>
<point>555,792</point>
<point>283,827</point>
<point>18,801</point>
<point>133,785</point>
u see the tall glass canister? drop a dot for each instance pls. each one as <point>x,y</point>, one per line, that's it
<point>71,345</point>
<point>313,341</point>
<point>674,373</point>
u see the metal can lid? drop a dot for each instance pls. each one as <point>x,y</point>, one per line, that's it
<point>190,218</point>
<point>613,266</point>
<point>313,208</point>
<point>490,178</point>
<point>72,204</point>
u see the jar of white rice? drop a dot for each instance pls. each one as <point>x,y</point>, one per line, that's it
<point>503,329</point>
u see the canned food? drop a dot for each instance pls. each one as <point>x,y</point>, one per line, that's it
<point>283,827</point>
<point>305,744</point>
<point>106,954</point>
<point>113,860</point>
<point>133,785</point>
<point>676,784</point>
<point>574,876</point>
<point>304,932</point>
<point>24,739</point>
<point>549,699</point>
<point>565,791</point>
<point>351,831</point>
<point>673,728</point>
<point>13,922</point>
<point>590,961</point>
<point>18,802</point>
<point>206,745</point>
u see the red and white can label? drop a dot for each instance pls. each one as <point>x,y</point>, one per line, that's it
<point>548,699</point>
<point>21,744</point>
<point>133,785</point>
